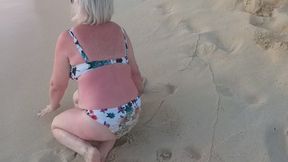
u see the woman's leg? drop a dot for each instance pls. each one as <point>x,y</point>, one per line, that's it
<point>104,147</point>
<point>73,127</point>
<point>90,153</point>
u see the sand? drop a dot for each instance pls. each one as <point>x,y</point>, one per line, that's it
<point>217,80</point>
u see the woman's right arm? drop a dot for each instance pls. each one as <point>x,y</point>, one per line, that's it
<point>60,75</point>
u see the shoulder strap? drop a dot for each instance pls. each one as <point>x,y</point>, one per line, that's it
<point>80,49</point>
<point>126,42</point>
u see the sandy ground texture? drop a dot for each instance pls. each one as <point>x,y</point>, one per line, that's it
<point>217,80</point>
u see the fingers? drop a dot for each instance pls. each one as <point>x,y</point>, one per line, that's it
<point>44,111</point>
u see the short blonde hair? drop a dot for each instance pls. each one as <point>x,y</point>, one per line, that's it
<point>92,11</point>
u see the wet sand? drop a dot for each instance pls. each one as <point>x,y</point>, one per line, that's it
<point>217,80</point>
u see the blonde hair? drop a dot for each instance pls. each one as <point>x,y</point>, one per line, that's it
<point>92,11</point>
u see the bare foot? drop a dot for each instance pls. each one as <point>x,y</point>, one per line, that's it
<point>105,148</point>
<point>92,155</point>
<point>103,157</point>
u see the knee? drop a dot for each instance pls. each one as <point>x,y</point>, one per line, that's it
<point>54,124</point>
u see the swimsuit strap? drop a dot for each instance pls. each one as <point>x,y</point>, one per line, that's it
<point>126,43</point>
<point>80,49</point>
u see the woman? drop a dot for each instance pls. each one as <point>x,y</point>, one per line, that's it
<point>97,53</point>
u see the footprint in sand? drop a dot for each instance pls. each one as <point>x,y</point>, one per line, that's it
<point>170,89</point>
<point>163,155</point>
<point>185,26</point>
<point>155,95</point>
<point>260,22</point>
<point>205,46</point>
<point>255,100</point>
<point>250,96</point>
<point>213,41</point>
<point>178,24</point>
<point>165,8</point>
<point>224,90</point>
<point>66,154</point>
<point>161,90</point>
<point>48,155</point>
<point>156,116</point>
<point>128,138</point>
<point>192,153</point>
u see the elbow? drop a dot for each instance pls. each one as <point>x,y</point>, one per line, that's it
<point>55,86</point>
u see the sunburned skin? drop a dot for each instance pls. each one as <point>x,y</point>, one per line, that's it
<point>104,87</point>
<point>112,84</point>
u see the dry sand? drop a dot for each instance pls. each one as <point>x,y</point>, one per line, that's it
<point>217,80</point>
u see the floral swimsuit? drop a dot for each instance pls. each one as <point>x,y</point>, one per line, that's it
<point>119,119</point>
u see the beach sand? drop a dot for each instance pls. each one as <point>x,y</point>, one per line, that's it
<point>217,80</point>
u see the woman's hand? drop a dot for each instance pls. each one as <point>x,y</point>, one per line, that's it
<point>47,110</point>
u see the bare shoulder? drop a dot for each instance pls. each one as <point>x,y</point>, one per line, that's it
<point>63,42</point>
<point>63,37</point>
<point>116,26</point>
<point>112,23</point>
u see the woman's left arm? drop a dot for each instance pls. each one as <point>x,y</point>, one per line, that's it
<point>60,76</point>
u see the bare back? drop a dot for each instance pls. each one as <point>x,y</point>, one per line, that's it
<point>106,86</point>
